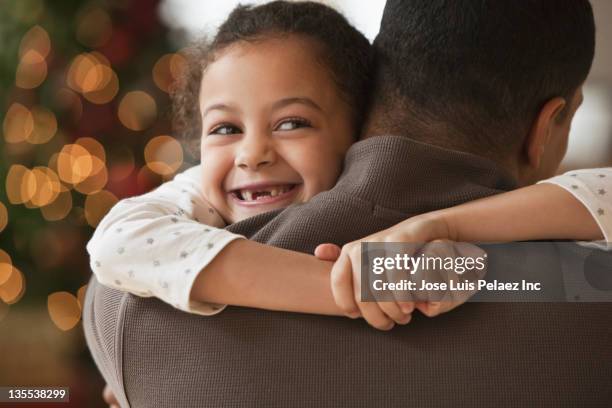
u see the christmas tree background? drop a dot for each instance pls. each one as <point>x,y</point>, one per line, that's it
<point>85,118</point>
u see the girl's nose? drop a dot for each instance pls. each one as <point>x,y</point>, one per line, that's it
<point>255,152</point>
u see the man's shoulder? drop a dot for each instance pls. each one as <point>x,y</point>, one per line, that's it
<point>103,322</point>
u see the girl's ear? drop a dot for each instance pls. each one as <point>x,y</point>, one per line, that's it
<point>540,133</point>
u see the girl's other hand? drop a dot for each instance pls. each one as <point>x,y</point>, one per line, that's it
<point>346,272</point>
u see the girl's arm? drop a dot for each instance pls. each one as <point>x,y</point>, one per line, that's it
<point>168,243</point>
<point>155,244</point>
<point>573,206</point>
<point>247,273</point>
<point>576,205</point>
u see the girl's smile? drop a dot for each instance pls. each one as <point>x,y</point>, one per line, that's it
<point>257,196</point>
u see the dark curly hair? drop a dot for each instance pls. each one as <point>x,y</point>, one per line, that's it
<point>345,52</point>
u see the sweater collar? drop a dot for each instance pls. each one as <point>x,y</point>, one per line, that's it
<point>399,173</point>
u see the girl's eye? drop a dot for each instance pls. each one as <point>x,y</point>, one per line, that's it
<point>292,124</point>
<point>225,129</point>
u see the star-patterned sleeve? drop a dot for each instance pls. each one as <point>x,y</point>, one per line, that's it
<point>593,188</point>
<point>156,244</point>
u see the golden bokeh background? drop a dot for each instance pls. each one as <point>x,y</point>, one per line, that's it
<point>85,116</point>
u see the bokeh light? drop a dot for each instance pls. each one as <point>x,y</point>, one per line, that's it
<point>44,190</point>
<point>35,126</point>
<point>45,126</point>
<point>93,174</point>
<point>3,216</point>
<point>91,75</point>
<point>31,70</point>
<point>97,205</point>
<point>13,288</point>
<point>59,208</point>
<point>20,184</point>
<point>18,123</point>
<point>93,147</point>
<point>167,70</point>
<point>163,155</point>
<point>79,70</point>
<point>36,39</point>
<point>6,266</point>
<point>107,88</point>
<point>48,186</point>
<point>64,310</point>
<point>96,181</point>
<point>137,110</point>
<point>75,163</point>
<point>94,27</point>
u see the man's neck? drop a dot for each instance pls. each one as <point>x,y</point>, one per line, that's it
<point>508,164</point>
<point>410,176</point>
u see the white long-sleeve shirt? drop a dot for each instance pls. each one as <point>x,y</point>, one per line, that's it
<point>156,244</point>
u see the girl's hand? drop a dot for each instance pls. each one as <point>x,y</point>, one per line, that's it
<point>342,291</point>
<point>346,272</point>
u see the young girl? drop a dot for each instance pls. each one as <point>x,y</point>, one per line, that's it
<point>275,101</point>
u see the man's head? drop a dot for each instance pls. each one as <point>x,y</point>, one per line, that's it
<point>501,79</point>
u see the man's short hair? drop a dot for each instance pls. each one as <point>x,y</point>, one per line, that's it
<point>477,72</point>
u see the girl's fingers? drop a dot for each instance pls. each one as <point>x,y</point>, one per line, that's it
<point>433,309</point>
<point>327,252</point>
<point>342,286</point>
<point>393,311</point>
<point>406,307</point>
<point>370,311</point>
<point>375,317</point>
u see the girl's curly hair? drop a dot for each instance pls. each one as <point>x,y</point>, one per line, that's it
<point>345,52</point>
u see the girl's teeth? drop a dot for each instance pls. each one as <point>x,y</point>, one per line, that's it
<point>247,195</point>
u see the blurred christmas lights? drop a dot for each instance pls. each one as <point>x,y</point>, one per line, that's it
<point>167,70</point>
<point>97,205</point>
<point>163,155</point>
<point>58,102</point>
<point>64,310</point>
<point>137,110</point>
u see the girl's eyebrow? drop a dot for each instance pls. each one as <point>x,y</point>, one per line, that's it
<point>277,105</point>
<point>301,100</point>
<point>219,106</point>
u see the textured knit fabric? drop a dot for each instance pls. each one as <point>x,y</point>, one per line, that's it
<point>157,243</point>
<point>480,355</point>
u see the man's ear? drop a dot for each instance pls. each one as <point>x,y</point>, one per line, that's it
<point>541,130</point>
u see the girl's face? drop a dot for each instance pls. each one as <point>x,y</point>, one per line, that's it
<point>274,127</point>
